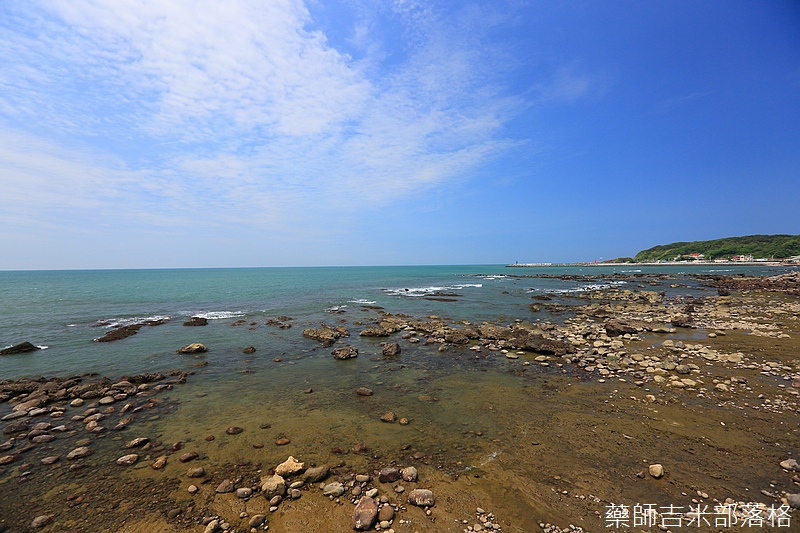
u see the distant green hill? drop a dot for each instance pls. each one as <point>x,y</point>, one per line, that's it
<point>757,246</point>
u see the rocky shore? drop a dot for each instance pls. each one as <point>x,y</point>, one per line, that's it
<point>627,397</point>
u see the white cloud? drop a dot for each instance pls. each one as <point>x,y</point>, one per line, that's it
<point>235,110</point>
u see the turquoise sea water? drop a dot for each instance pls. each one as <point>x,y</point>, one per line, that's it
<point>66,310</point>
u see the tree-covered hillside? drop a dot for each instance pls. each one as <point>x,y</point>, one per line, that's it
<point>757,246</point>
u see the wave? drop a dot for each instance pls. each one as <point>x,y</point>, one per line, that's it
<point>218,315</point>
<point>122,322</point>
<point>335,308</point>
<point>362,301</point>
<point>425,291</point>
<point>584,288</point>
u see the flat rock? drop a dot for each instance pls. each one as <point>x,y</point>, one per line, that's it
<point>334,489</point>
<point>364,391</point>
<point>198,471</point>
<point>225,486</point>
<point>391,349</point>
<point>79,452</point>
<point>128,460</point>
<point>388,475</point>
<point>41,521</point>
<point>790,464</point>
<point>345,352</point>
<point>135,443</point>
<point>257,520</point>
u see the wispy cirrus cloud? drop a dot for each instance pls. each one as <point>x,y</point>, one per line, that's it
<point>242,110</point>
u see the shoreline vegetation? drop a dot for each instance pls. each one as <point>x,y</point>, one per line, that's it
<point>750,250</point>
<point>625,398</point>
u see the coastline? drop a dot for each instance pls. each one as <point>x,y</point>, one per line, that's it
<point>547,416</point>
<point>659,264</point>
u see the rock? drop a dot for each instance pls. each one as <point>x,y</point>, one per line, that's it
<point>257,520</point>
<point>79,452</point>
<point>233,430</point>
<point>41,521</point>
<point>196,321</point>
<point>273,486</point>
<point>386,513</point>
<point>790,464</point>
<point>193,348</point>
<point>334,489</point>
<point>364,391</point>
<point>683,369</point>
<point>212,527</point>
<point>49,460</point>
<point>364,514</point>
<point>244,492</point>
<point>16,427</point>
<point>141,441</point>
<point>225,486</point>
<point>388,475</point>
<point>188,456</point>
<point>196,472</point>
<point>326,334</point>
<point>391,349</point>
<point>421,498</point>
<point>283,441</point>
<point>389,417</point>
<point>249,350</point>
<point>344,352</point>
<point>128,460</point>
<point>316,474</point>
<point>793,500</point>
<point>23,347</point>
<point>289,467</point>
<point>159,463</point>
<point>656,470</point>
<point>193,489</point>
<point>42,439</point>
<point>409,474</point>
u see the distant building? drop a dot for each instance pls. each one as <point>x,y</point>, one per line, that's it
<point>742,258</point>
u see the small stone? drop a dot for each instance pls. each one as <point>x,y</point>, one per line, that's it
<point>388,475</point>
<point>409,474</point>
<point>793,500</point>
<point>193,348</point>
<point>225,486</point>
<point>79,452</point>
<point>193,489</point>
<point>790,464</point>
<point>211,527</point>
<point>257,520</point>
<point>233,430</point>
<point>196,472</point>
<point>41,521</point>
<point>386,513</point>
<point>364,391</point>
<point>188,456</point>
<point>128,460</point>
<point>334,489</point>
<point>295,494</point>
<point>276,500</point>
<point>141,441</point>
<point>656,470</point>
<point>389,417</point>
<point>316,474</point>
<point>244,492</point>
<point>49,460</point>
<point>421,498</point>
<point>283,441</point>
<point>404,421</point>
<point>159,463</point>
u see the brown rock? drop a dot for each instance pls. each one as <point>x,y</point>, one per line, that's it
<point>421,498</point>
<point>196,321</point>
<point>391,349</point>
<point>234,430</point>
<point>344,352</point>
<point>389,417</point>
<point>388,475</point>
<point>364,391</point>
<point>188,456</point>
<point>283,441</point>
<point>364,514</point>
<point>193,348</point>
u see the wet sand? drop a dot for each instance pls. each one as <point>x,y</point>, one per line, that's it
<point>530,443</point>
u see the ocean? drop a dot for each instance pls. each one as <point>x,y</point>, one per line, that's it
<point>64,311</point>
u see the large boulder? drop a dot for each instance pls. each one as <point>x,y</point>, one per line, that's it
<point>326,334</point>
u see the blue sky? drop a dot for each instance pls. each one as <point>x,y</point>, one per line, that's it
<point>144,133</point>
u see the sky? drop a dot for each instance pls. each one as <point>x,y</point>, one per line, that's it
<point>150,134</point>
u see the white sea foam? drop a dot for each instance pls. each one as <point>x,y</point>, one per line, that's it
<point>362,301</point>
<point>424,291</point>
<point>584,288</point>
<point>122,322</point>
<point>218,315</point>
<point>43,347</point>
<point>335,308</point>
